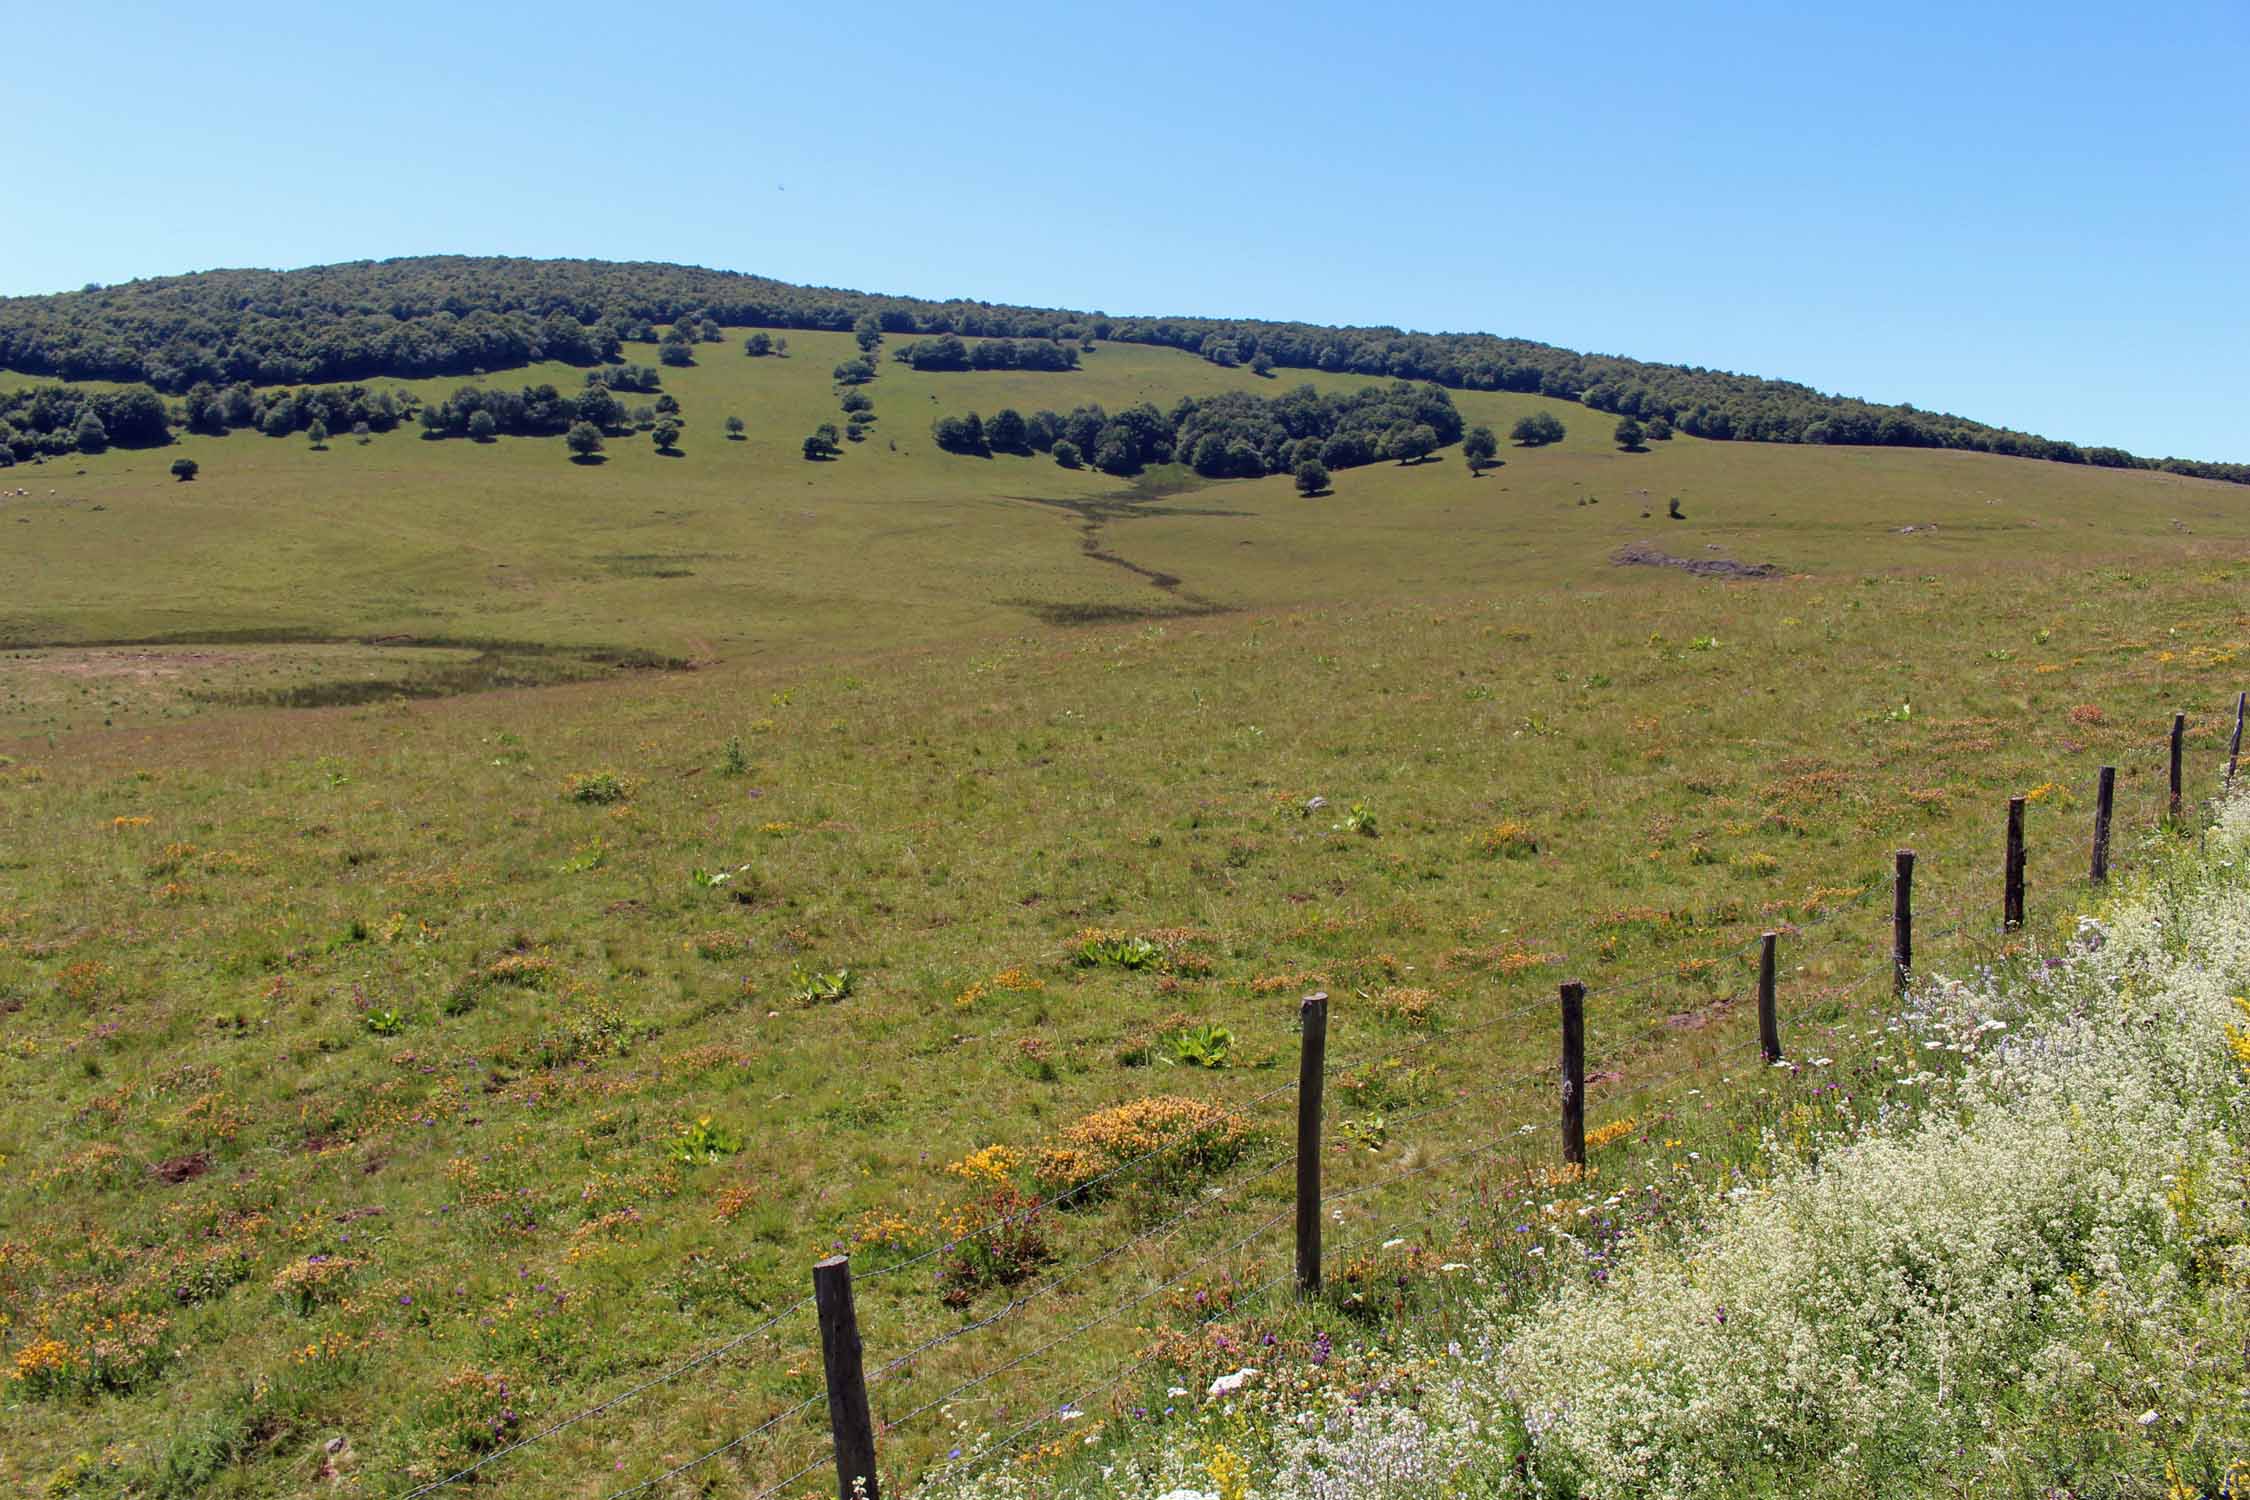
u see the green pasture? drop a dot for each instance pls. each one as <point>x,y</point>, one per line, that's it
<point>440,989</point>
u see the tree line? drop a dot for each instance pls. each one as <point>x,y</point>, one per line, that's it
<point>949,352</point>
<point>1233,435</point>
<point>460,315</point>
<point>54,420</point>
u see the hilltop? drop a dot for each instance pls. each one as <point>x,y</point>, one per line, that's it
<point>460,315</point>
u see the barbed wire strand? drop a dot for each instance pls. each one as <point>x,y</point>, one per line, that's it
<point>614,1401</point>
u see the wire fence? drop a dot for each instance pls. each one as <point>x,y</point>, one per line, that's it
<point>1402,1154</point>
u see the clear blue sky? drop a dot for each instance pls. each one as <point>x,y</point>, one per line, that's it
<point>2033,214</point>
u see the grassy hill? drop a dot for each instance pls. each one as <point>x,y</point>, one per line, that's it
<point>355,1055</point>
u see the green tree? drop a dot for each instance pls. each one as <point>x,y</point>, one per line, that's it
<point>280,420</point>
<point>1537,430</point>
<point>735,428</point>
<point>317,434</point>
<point>184,469</point>
<point>675,350</point>
<point>1480,448</point>
<point>868,332</point>
<point>90,435</point>
<point>584,440</point>
<point>1659,430</point>
<point>1261,363</point>
<point>854,372</point>
<point>482,425</point>
<point>821,445</point>
<point>1066,453</point>
<point>1411,443</point>
<point>1628,434</point>
<point>665,435</point>
<point>361,434</point>
<point>1007,430</point>
<point>1312,477</point>
<point>758,345</point>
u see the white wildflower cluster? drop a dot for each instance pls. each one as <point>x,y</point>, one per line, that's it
<point>1935,1295</point>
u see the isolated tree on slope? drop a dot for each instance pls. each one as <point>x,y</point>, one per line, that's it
<point>1480,448</point>
<point>584,440</point>
<point>1628,434</point>
<point>1312,477</point>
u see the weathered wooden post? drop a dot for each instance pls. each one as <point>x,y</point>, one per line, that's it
<point>1574,1073</point>
<point>2234,746</point>
<point>1769,1021</point>
<point>849,1419</point>
<point>1902,920</point>
<point>1312,1061</point>
<point>2105,802</point>
<point>2179,735</point>
<point>2011,895</point>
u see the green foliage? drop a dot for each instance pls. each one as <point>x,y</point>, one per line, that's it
<point>184,469</point>
<point>814,987</point>
<point>584,440</point>
<point>596,788</point>
<point>735,427</point>
<point>700,1142</point>
<point>1311,476</point>
<point>1479,449</point>
<point>1359,819</point>
<point>1628,434</point>
<point>1537,430</point>
<point>1208,1045</point>
<point>1114,950</point>
<point>665,434</point>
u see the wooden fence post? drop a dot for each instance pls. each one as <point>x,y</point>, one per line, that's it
<point>1902,920</point>
<point>2234,746</point>
<point>2105,802</point>
<point>1574,1073</point>
<point>1312,1059</point>
<point>849,1420</point>
<point>2179,735</point>
<point>1769,1021</point>
<point>2011,895</point>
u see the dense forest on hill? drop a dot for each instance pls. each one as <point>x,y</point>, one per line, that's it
<point>458,315</point>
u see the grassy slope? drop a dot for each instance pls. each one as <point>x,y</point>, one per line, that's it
<point>937,788</point>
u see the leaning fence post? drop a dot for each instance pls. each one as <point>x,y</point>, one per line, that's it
<point>1574,1073</point>
<point>2105,802</point>
<point>2234,746</point>
<point>2011,895</point>
<point>2179,734</point>
<point>849,1420</point>
<point>1311,1064</point>
<point>1769,1022</point>
<point>1902,919</point>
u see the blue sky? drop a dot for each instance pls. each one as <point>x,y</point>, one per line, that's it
<point>2037,215</point>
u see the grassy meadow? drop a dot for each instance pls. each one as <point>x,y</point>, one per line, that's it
<point>828,850</point>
